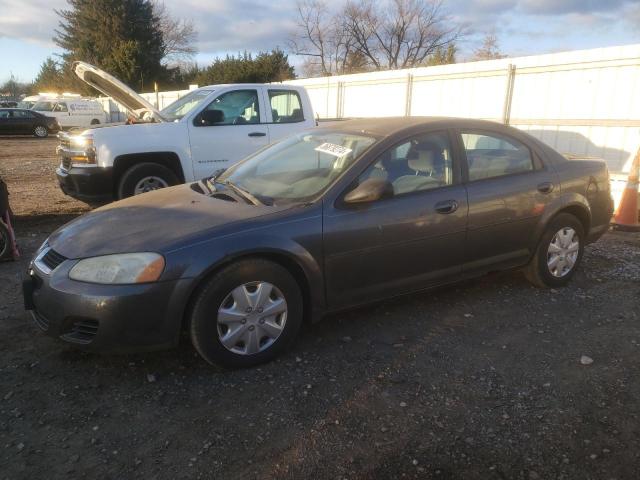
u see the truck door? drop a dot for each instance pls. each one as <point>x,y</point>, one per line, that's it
<point>230,128</point>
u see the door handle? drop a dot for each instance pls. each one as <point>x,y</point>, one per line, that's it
<point>257,134</point>
<point>446,207</point>
<point>545,187</point>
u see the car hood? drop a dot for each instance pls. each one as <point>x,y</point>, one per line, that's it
<point>114,88</point>
<point>159,221</point>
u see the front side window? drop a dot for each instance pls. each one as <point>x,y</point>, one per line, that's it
<point>239,107</point>
<point>298,168</point>
<point>4,113</point>
<point>285,106</point>
<point>492,155</point>
<point>421,163</point>
<point>43,106</point>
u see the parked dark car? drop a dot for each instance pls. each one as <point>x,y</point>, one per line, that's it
<point>325,220</point>
<point>8,104</point>
<point>20,121</point>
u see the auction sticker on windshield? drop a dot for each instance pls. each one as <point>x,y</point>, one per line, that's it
<point>333,149</point>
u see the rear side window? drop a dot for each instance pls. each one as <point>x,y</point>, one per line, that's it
<point>286,106</point>
<point>4,113</point>
<point>492,155</point>
<point>22,114</point>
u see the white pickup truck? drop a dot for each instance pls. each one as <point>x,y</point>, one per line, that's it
<point>208,129</point>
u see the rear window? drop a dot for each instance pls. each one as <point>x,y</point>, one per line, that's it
<point>286,106</point>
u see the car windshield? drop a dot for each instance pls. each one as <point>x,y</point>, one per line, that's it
<point>298,168</point>
<point>43,106</point>
<point>182,106</point>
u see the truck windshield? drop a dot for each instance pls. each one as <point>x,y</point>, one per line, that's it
<point>298,168</point>
<point>182,106</point>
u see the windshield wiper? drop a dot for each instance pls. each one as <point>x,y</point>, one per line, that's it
<point>243,193</point>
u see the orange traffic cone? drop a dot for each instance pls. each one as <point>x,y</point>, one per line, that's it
<point>626,216</point>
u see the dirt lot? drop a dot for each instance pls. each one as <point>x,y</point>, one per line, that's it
<point>481,380</point>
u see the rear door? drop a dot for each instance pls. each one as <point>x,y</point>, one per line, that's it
<point>242,130</point>
<point>22,121</point>
<point>286,113</point>
<point>410,241</point>
<point>509,188</point>
<point>5,122</point>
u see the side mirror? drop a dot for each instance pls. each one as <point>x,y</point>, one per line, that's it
<point>208,118</point>
<point>369,191</point>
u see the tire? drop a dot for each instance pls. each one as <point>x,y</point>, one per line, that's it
<point>40,131</point>
<point>539,272</point>
<point>6,251</point>
<point>95,121</point>
<point>142,175</point>
<point>208,327</point>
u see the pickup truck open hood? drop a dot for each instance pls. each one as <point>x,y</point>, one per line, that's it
<point>114,88</point>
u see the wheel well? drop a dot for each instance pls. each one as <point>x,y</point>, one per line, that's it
<point>581,214</point>
<point>168,159</point>
<point>289,264</point>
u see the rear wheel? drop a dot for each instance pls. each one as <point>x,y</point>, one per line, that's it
<point>246,314</point>
<point>145,177</point>
<point>558,254</point>
<point>41,131</point>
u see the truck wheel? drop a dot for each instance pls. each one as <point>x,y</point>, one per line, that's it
<point>95,121</point>
<point>145,177</point>
<point>41,131</point>
<point>558,254</point>
<point>246,314</point>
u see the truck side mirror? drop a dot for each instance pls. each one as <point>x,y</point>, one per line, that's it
<point>208,118</point>
<point>370,190</point>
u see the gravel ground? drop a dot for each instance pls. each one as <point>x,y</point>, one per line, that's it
<point>488,379</point>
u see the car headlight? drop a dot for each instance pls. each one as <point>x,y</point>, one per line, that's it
<point>119,269</point>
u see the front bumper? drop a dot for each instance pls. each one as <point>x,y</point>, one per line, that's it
<point>106,318</point>
<point>89,184</point>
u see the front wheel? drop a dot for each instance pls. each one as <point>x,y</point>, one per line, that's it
<point>558,254</point>
<point>41,131</point>
<point>246,314</point>
<point>145,177</point>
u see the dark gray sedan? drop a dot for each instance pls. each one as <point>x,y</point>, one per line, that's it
<point>325,220</point>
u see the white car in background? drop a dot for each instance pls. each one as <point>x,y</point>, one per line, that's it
<point>207,130</point>
<point>72,112</point>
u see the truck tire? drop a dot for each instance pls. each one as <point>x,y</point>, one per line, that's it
<point>95,121</point>
<point>145,177</point>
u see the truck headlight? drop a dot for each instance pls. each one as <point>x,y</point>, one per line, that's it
<point>119,269</point>
<point>83,149</point>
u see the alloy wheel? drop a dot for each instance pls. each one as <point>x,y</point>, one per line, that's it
<point>148,184</point>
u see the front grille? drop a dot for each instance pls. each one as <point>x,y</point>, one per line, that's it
<point>52,259</point>
<point>66,163</point>
<point>82,331</point>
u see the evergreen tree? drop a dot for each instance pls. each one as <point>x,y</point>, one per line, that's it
<point>265,67</point>
<point>49,78</point>
<point>122,37</point>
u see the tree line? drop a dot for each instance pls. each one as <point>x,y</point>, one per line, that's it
<point>142,44</point>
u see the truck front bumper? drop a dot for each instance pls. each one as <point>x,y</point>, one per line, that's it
<point>89,184</point>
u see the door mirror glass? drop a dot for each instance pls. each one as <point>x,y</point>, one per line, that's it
<point>370,190</point>
<point>208,118</point>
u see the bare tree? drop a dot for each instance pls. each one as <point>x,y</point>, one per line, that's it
<point>179,36</point>
<point>489,50</point>
<point>400,33</point>
<point>321,37</point>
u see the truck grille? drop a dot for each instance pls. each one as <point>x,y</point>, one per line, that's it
<point>66,163</point>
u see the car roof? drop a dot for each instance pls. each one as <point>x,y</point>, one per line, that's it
<point>388,126</point>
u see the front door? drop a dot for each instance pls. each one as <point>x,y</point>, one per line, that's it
<point>5,122</point>
<point>509,188</point>
<point>407,242</point>
<point>239,130</point>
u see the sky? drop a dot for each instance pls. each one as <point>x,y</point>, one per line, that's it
<point>523,27</point>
